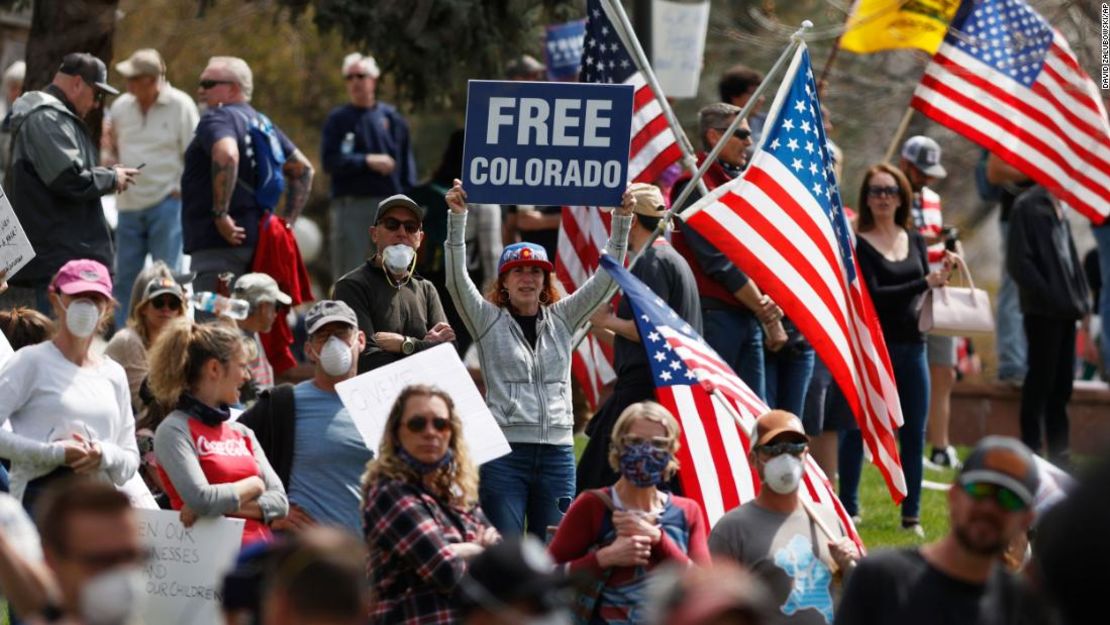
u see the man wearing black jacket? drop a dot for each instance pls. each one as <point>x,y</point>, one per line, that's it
<point>1042,260</point>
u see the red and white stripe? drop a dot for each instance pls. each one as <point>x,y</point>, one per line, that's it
<point>1056,131</point>
<point>715,444</point>
<point>771,226</point>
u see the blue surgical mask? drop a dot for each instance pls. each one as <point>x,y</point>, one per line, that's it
<point>643,465</point>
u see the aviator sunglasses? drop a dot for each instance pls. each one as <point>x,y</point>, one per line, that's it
<point>392,224</point>
<point>778,449</point>
<point>417,425</point>
<point>1006,499</point>
<point>166,301</point>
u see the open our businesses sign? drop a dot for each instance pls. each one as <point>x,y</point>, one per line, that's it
<point>546,144</point>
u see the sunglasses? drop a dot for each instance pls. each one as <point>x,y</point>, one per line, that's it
<point>100,97</point>
<point>881,191</point>
<point>1006,499</point>
<point>166,301</point>
<point>658,443</point>
<point>356,76</point>
<point>208,84</point>
<point>740,133</point>
<point>392,224</point>
<point>778,449</point>
<point>417,425</point>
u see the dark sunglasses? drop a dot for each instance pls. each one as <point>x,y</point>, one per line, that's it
<point>101,96</point>
<point>392,224</point>
<point>166,301</point>
<point>1006,499</point>
<point>208,84</point>
<point>778,449</point>
<point>356,76</point>
<point>740,133</point>
<point>417,425</point>
<point>881,191</point>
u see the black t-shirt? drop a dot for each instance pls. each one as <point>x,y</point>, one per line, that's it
<point>899,586</point>
<point>896,287</point>
<point>527,325</point>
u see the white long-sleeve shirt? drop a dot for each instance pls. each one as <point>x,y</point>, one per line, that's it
<point>48,398</point>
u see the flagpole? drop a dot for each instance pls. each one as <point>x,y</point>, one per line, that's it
<point>905,123</point>
<point>699,174</point>
<point>821,525</point>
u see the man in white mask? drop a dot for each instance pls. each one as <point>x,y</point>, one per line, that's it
<point>399,311</point>
<point>774,535</point>
<point>307,433</point>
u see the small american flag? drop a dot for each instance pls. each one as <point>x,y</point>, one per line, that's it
<point>714,447</point>
<point>1007,80</point>
<point>654,147</point>
<point>782,223</point>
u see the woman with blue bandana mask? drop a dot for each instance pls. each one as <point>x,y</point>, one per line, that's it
<point>620,534</point>
<point>420,509</point>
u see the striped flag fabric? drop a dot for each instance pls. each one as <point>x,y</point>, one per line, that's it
<point>654,147</point>
<point>1007,80</point>
<point>782,222</point>
<point>714,444</point>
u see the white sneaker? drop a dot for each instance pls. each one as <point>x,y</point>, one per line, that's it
<point>915,529</point>
<point>946,458</point>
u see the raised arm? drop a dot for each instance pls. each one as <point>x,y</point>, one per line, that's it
<point>577,307</point>
<point>477,314</point>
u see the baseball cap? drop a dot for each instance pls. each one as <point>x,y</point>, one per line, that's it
<point>649,199</point>
<point>924,153</point>
<point>145,62</point>
<point>91,69</point>
<point>771,424</point>
<point>525,66</point>
<point>1005,462</point>
<point>516,569</point>
<point>326,311</point>
<point>161,286</point>
<point>520,254</point>
<point>259,287</point>
<point>83,276</point>
<point>399,201</point>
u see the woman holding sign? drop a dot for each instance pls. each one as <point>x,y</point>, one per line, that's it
<point>209,465</point>
<point>420,511</point>
<point>524,334</point>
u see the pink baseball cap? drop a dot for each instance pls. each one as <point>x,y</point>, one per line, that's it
<point>83,276</point>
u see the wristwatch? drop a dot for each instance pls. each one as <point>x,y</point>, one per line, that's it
<point>408,346</point>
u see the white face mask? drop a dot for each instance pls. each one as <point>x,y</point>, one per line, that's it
<point>114,597</point>
<point>398,258</point>
<point>783,473</point>
<point>82,317</point>
<point>336,357</point>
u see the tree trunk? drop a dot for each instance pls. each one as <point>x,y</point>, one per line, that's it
<point>59,27</point>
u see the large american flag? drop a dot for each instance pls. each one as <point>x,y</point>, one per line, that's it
<point>782,223</point>
<point>654,147</point>
<point>1007,80</point>
<point>713,455</point>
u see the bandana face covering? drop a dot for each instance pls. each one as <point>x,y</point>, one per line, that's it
<point>643,465</point>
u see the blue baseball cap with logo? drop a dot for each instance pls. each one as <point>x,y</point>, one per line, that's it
<point>523,254</point>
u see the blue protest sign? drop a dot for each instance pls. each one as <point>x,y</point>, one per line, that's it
<point>563,49</point>
<point>546,144</point>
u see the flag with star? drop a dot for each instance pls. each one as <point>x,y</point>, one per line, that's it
<point>714,446</point>
<point>782,223</point>
<point>584,230</point>
<point>1007,80</point>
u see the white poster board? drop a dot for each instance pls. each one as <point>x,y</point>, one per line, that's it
<point>369,397</point>
<point>184,576</point>
<point>6,350</point>
<point>15,247</point>
<point>677,44</point>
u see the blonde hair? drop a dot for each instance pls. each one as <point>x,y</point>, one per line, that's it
<point>178,356</point>
<point>456,483</point>
<point>159,269</point>
<point>649,411</point>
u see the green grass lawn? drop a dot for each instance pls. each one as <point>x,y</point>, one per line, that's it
<point>881,527</point>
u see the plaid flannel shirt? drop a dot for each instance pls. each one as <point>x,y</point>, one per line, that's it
<point>412,570</point>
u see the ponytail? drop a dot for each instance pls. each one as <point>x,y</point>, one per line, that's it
<point>179,354</point>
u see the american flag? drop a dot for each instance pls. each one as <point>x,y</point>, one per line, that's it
<point>782,223</point>
<point>654,147</point>
<point>1007,80</point>
<point>713,455</point>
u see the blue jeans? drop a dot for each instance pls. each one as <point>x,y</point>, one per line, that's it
<point>156,231</point>
<point>787,379</point>
<point>911,375</point>
<point>737,338</point>
<point>1010,338</point>
<point>1102,237</point>
<point>533,482</point>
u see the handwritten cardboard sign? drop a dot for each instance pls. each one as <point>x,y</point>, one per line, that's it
<point>677,44</point>
<point>15,247</point>
<point>185,573</point>
<point>368,397</point>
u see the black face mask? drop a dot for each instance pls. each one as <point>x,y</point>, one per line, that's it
<point>207,414</point>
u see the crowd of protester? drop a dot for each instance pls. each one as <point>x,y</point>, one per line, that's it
<point>209,415</point>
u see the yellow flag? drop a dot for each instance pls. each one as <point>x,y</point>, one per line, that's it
<point>876,25</point>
